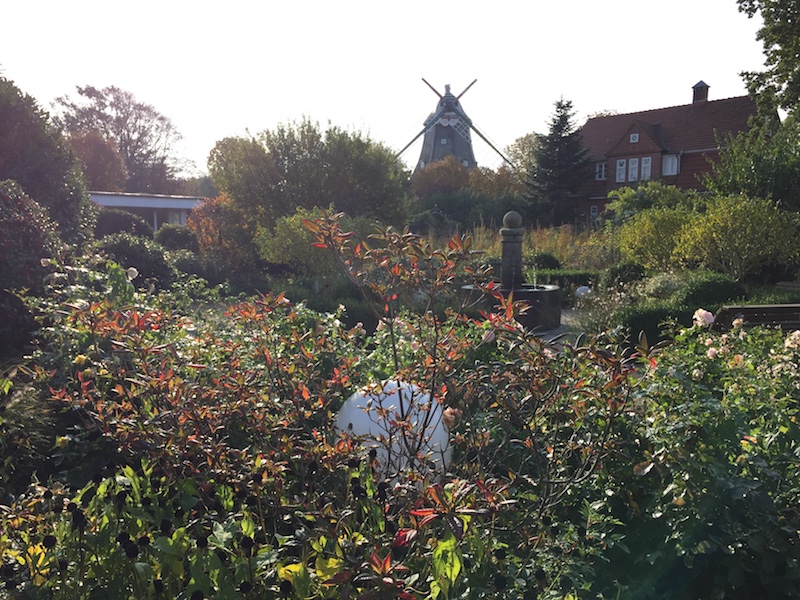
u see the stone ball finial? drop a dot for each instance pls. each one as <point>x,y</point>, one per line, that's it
<point>512,220</point>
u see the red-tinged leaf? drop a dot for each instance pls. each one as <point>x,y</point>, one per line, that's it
<point>339,578</point>
<point>322,245</point>
<point>642,468</point>
<point>404,537</point>
<point>195,366</point>
<point>406,596</point>
<point>427,520</point>
<point>311,225</point>
<point>386,566</point>
<point>423,512</point>
<point>435,494</point>
<point>375,562</point>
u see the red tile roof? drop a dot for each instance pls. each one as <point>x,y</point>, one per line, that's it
<point>679,128</point>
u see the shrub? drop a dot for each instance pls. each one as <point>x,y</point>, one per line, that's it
<point>116,220</point>
<point>188,262</point>
<point>290,244</point>
<point>27,235</point>
<point>651,319</point>
<point>715,495</point>
<point>17,325</point>
<point>224,237</point>
<point>545,260</point>
<point>651,237</point>
<point>177,237</point>
<point>621,274</point>
<point>707,289</point>
<point>738,236</point>
<point>147,256</point>
<point>663,285</point>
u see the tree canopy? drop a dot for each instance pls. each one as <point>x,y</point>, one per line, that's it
<point>763,162</point>
<point>778,86</point>
<point>103,167</point>
<point>559,168</point>
<point>299,165</point>
<point>33,153</point>
<point>144,138</point>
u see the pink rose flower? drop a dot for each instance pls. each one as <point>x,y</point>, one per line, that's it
<point>703,318</point>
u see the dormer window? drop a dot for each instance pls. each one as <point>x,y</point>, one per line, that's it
<point>634,138</point>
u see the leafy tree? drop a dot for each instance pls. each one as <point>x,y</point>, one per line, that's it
<point>779,85</point>
<point>299,165</point>
<point>650,237</point>
<point>443,177</point>
<point>103,167</point>
<point>222,234</point>
<point>143,137</point>
<point>763,162</point>
<point>651,194</point>
<point>34,154</point>
<point>522,153</point>
<point>496,184</point>
<point>248,177</point>
<point>740,235</point>
<point>560,168</point>
<point>364,178</point>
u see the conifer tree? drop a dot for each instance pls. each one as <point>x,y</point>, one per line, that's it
<point>559,169</point>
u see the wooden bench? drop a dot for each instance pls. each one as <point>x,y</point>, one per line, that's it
<point>785,316</point>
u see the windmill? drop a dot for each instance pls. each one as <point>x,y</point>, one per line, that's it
<point>448,131</point>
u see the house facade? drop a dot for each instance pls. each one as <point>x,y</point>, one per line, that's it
<point>671,144</point>
<point>155,209</point>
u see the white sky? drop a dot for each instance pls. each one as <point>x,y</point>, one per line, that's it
<point>219,69</point>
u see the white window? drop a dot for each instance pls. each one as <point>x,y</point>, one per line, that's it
<point>669,165</point>
<point>633,169</point>
<point>646,167</point>
<point>621,170</point>
<point>593,212</point>
<point>600,171</point>
<point>634,138</point>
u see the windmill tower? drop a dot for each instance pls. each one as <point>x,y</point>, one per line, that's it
<point>447,132</point>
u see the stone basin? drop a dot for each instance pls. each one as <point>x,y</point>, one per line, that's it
<point>544,301</point>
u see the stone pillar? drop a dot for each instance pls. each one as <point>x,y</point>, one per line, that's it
<point>511,235</point>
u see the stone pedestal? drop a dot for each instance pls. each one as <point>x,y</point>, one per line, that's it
<point>544,301</point>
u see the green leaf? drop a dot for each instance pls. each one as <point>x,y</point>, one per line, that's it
<point>447,560</point>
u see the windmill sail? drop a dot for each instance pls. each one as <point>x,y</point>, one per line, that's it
<point>447,132</point>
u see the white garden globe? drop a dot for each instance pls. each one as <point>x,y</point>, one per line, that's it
<point>402,423</point>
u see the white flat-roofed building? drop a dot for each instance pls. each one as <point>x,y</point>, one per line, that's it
<point>155,209</point>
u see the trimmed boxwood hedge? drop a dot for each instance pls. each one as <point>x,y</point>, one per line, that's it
<point>708,290</point>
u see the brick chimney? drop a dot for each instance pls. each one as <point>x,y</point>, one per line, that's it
<point>700,92</point>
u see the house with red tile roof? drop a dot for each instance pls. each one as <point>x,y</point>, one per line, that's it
<point>671,144</point>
